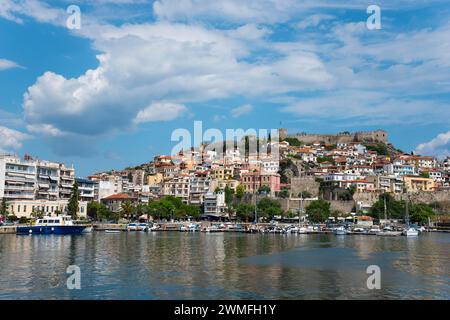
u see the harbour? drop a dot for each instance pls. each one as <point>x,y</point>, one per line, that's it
<point>225,265</point>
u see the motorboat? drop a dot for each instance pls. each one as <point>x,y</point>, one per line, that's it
<point>52,225</point>
<point>410,232</point>
<point>132,227</point>
<point>340,231</point>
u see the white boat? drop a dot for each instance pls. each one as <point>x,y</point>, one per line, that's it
<point>410,232</point>
<point>112,231</point>
<point>374,230</point>
<point>132,227</point>
<point>142,227</point>
<point>155,227</point>
<point>302,230</point>
<point>340,231</point>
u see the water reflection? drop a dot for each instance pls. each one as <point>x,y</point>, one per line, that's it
<point>223,266</point>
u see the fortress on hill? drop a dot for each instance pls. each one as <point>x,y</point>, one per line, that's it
<point>343,137</point>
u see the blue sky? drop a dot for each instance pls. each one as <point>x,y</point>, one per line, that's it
<point>110,94</point>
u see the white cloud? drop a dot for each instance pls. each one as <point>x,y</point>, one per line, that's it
<point>439,146</point>
<point>7,64</point>
<point>141,64</point>
<point>314,20</point>
<point>160,111</point>
<point>241,110</point>
<point>11,139</point>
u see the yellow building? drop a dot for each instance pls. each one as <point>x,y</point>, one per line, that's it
<point>154,179</point>
<point>416,183</point>
<point>222,173</point>
<point>25,208</point>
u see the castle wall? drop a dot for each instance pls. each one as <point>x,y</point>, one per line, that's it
<point>362,136</point>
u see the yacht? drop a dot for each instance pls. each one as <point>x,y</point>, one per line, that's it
<point>52,225</point>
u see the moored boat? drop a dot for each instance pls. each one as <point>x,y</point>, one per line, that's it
<point>52,225</point>
<point>340,231</point>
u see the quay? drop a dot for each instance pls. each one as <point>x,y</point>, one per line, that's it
<point>8,230</point>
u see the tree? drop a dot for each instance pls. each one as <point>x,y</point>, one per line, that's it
<point>228,195</point>
<point>425,174</point>
<point>127,209</point>
<point>420,213</point>
<point>245,212</point>
<point>318,211</point>
<point>394,209</point>
<point>284,193</point>
<point>240,190</point>
<point>305,194</point>
<point>4,208</point>
<point>98,211</point>
<point>268,208</point>
<point>293,141</point>
<point>73,206</point>
<point>264,189</point>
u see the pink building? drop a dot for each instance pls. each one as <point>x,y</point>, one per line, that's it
<point>252,181</point>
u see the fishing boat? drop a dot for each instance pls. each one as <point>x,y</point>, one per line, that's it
<point>52,225</point>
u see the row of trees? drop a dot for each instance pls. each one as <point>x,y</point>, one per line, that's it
<point>395,209</point>
<point>168,207</point>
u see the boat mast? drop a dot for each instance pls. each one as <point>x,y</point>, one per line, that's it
<point>385,208</point>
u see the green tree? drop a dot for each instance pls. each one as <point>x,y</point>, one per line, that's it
<point>305,194</point>
<point>240,191</point>
<point>4,208</point>
<point>425,174</point>
<point>420,213</point>
<point>394,209</point>
<point>245,212</point>
<point>318,211</point>
<point>268,208</point>
<point>127,209</point>
<point>228,195</point>
<point>293,141</point>
<point>264,189</point>
<point>284,193</point>
<point>74,202</point>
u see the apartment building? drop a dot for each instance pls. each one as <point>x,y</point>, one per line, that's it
<point>214,205</point>
<point>27,208</point>
<point>417,183</point>
<point>29,179</point>
<point>178,186</point>
<point>88,189</point>
<point>399,169</point>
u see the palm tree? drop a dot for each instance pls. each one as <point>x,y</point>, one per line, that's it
<point>127,209</point>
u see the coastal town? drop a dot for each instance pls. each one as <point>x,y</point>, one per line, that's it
<point>346,178</point>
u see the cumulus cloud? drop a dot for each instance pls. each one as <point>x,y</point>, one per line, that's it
<point>241,110</point>
<point>142,65</point>
<point>11,139</point>
<point>160,111</point>
<point>439,146</point>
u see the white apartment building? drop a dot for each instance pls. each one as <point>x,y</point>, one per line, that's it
<point>399,169</point>
<point>30,179</point>
<point>88,189</point>
<point>214,205</point>
<point>178,186</point>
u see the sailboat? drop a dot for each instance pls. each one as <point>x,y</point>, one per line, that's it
<point>387,230</point>
<point>409,231</point>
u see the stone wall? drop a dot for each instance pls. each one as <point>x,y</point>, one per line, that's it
<point>361,136</point>
<point>300,184</point>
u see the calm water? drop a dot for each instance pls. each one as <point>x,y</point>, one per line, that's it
<point>171,265</point>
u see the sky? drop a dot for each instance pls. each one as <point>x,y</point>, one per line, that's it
<point>111,93</point>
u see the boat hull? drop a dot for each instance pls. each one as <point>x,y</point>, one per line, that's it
<point>50,230</point>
